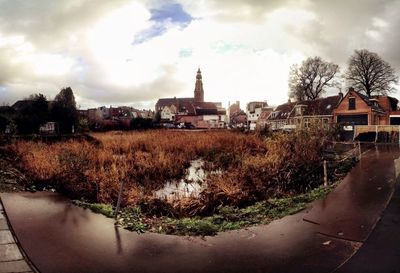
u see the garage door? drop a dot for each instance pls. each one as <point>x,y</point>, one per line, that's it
<point>353,119</point>
<point>394,120</point>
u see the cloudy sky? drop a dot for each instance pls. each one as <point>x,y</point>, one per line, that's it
<point>125,52</point>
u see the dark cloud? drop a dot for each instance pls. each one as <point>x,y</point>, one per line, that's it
<point>389,42</point>
<point>340,27</point>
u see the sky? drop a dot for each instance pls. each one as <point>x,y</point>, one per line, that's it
<point>125,52</point>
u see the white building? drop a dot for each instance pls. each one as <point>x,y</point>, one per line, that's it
<point>253,112</point>
<point>168,113</point>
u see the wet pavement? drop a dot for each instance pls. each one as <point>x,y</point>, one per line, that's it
<point>381,252</point>
<point>60,237</point>
<point>11,258</point>
<point>352,210</point>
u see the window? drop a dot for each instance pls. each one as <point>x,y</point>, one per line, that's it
<point>307,123</point>
<point>298,110</point>
<point>325,122</point>
<point>352,103</point>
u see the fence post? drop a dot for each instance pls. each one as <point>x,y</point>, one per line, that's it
<point>359,150</point>
<point>376,133</point>
<point>119,199</point>
<point>325,175</point>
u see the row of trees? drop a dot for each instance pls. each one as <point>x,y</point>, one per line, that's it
<point>27,115</point>
<point>367,72</point>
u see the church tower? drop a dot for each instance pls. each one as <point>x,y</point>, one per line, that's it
<point>198,90</point>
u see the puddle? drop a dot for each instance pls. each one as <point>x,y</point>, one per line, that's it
<point>190,186</point>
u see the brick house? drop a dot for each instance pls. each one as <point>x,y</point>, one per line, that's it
<point>237,118</point>
<point>202,115</point>
<point>357,109</point>
<point>262,121</point>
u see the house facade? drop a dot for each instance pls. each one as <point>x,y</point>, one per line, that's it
<point>49,128</point>
<point>253,112</point>
<point>357,109</point>
<point>168,113</point>
<point>118,117</point>
<point>304,114</point>
<point>236,117</point>
<point>262,121</point>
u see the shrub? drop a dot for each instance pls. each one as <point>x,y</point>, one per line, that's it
<point>251,168</point>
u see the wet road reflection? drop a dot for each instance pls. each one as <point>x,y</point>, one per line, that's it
<point>351,211</point>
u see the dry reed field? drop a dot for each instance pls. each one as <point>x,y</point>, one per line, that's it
<point>250,168</point>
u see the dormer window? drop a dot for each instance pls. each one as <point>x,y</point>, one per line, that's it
<point>299,110</point>
<point>352,103</point>
<point>374,102</point>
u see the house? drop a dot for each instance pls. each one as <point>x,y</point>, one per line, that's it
<point>357,109</point>
<point>21,105</point>
<point>253,112</point>
<point>280,116</point>
<point>167,112</point>
<point>236,117</point>
<point>119,117</point>
<point>49,128</point>
<point>202,115</point>
<point>304,114</point>
<point>262,121</point>
<point>194,112</point>
<point>146,114</point>
<point>232,111</point>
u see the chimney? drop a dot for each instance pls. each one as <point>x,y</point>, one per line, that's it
<point>340,95</point>
<point>351,89</point>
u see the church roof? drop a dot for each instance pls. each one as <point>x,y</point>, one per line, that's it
<point>205,108</point>
<point>172,101</point>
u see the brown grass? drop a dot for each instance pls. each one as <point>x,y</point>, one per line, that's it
<point>252,168</point>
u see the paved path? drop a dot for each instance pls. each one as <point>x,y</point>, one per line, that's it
<point>60,237</point>
<point>381,252</point>
<point>11,258</point>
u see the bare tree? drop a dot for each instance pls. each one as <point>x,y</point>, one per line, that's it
<point>308,81</point>
<point>370,74</point>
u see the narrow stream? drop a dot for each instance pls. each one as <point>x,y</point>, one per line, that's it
<point>191,185</point>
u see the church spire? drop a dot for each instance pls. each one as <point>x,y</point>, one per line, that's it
<point>198,90</point>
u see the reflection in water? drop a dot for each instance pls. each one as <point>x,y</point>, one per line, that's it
<point>69,215</point>
<point>118,240</point>
<point>190,186</point>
